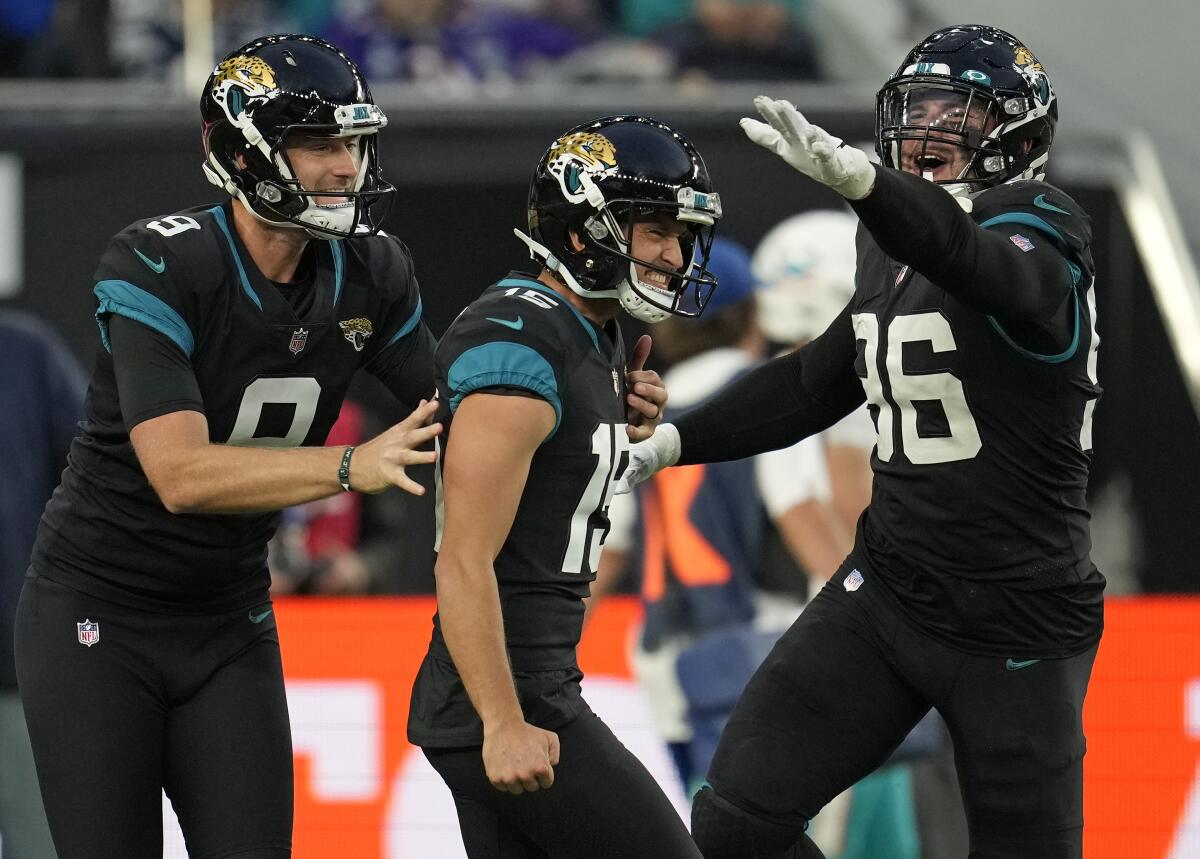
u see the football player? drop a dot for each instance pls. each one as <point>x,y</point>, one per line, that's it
<point>540,405</point>
<point>148,656</point>
<point>971,336</point>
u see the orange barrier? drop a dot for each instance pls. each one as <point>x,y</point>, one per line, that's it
<point>349,665</point>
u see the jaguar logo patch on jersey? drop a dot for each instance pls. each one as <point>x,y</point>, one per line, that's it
<point>578,154</point>
<point>357,331</point>
<point>88,631</point>
<point>299,338</point>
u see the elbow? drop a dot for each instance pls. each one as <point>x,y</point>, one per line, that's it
<point>176,494</point>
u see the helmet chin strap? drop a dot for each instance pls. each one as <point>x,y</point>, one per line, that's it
<point>540,252</point>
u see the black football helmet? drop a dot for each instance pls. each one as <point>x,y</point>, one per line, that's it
<point>595,180</point>
<point>994,100</point>
<point>272,88</point>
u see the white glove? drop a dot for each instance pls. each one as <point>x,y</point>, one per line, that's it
<point>810,149</point>
<point>647,457</point>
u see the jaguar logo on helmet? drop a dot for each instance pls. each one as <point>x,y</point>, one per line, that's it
<point>241,79</point>
<point>356,330</point>
<point>1024,58</point>
<point>576,154</point>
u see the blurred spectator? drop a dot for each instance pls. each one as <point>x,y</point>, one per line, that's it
<point>42,389</point>
<point>728,39</point>
<point>54,38</point>
<point>147,35</point>
<point>449,42</point>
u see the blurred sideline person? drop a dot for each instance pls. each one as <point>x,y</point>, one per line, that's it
<point>806,266</point>
<point>970,589</point>
<point>540,404</point>
<point>147,651</point>
<point>698,536</point>
<point>42,388</point>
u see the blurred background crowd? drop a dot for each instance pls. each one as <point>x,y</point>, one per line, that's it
<point>446,43</point>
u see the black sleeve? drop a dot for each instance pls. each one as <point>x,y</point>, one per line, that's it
<point>917,223</point>
<point>779,403</point>
<point>406,367</point>
<point>153,375</point>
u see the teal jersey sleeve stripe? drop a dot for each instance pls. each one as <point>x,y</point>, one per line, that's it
<point>501,363</point>
<point>538,286</point>
<point>1034,221</point>
<point>1065,355</point>
<point>339,268</point>
<point>408,326</point>
<point>219,215</point>
<point>124,299</point>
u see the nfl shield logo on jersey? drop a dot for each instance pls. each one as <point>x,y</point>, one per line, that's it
<point>299,338</point>
<point>89,632</point>
<point>853,581</point>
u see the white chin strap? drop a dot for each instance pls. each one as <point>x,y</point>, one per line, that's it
<point>637,306</point>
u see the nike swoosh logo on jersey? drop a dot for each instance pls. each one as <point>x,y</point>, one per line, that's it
<point>515,324</point>
<point>1041,202</point>
<point>156,267</point>
<point>259,618</point>
<point>1014,665</point>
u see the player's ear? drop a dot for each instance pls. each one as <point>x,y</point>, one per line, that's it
<point>576,242</point>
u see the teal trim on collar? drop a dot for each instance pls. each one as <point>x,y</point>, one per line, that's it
<point>124,299</point>
<point>219,215</point>
<point>1046,359</point>
<point>408,326</point>
<point>339,269</point>
<point>530,283</point>
<point>504,363</point>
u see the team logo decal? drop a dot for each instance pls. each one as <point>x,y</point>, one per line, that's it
<point>89,632</point>
<point>357,331</point>
<point>853,581</point>
<point>1024,57</point>
<point>243,81</point>
<point>577,154</point>
<point>299,338</point>
<point>1034,72</point>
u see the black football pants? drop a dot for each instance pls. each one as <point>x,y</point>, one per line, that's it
<point>191,704</point>
<point>603,803</point>
<point>852,676</point>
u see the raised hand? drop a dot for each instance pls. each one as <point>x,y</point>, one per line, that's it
<point>810,149</point>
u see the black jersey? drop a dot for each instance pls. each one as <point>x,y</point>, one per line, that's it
<point>521,335</point>
<point>978,518</point>
<point>265,373</point>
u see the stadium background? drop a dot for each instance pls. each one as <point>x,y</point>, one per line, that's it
<point>80,159</point>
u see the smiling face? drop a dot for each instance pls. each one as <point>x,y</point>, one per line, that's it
<point>657,240</point>
<point>326,164</point>
<point>951,118</point>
